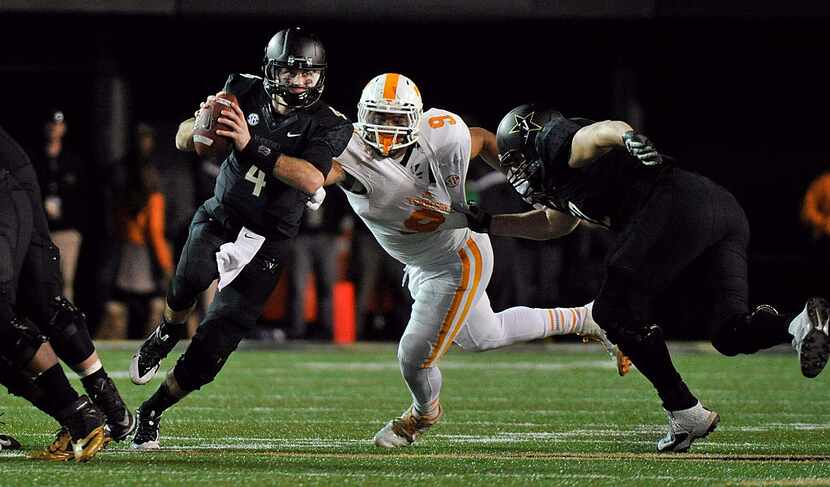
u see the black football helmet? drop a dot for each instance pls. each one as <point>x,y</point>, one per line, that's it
<point>293,48</point>
<point>516,139</point>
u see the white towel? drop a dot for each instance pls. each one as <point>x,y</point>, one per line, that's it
<point>234,256</point>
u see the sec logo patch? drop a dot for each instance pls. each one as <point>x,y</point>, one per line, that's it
<point>253,119</point>
<point>452,181</point>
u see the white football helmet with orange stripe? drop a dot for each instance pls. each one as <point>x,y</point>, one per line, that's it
<point>389,113</point>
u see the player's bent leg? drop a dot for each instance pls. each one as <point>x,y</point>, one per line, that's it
<point>195,272</point>
<point>207,353</point>
<point>69,336</point>
<point>487,330</point>
<point>155,348</point>
<point>424,383</point>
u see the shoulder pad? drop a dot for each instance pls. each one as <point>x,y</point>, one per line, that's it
<point>443,130</point>
<point>554,141</point>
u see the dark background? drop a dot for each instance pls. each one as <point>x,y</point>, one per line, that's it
<point>737,92</point>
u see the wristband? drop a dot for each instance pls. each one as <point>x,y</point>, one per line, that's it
<point>262,153</point>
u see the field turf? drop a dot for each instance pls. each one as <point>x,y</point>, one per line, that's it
<point>539,415</point>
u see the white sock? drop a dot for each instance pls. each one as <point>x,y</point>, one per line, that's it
<point>566,321</point>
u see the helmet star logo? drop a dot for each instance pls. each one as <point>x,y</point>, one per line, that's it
<point>525,125</point>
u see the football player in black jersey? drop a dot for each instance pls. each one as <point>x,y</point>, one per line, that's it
<point>38,325</point>
<point>284,140</point>
<point>668,222</point>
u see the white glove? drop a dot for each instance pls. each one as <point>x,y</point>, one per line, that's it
<point>316,200</point>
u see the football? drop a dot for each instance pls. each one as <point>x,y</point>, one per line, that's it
<point>207,143</point>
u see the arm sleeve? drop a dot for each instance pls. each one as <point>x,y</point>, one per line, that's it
<point>328,140</point>
<point>553,145</point>
<point>156,233</point>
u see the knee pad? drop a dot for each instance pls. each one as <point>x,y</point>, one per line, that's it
<point>207,353</point>
<point>413,351</point>
<point>181,294</point>
<point>68,332</point>
<point>20,340</point>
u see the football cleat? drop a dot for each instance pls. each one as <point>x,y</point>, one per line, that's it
<point>686,426</point>
<point>60,450</point>
<point>120,420</point>
<point>84,434</point>
<point>403,431</point>
<point>591,332</point>
<point>810,336</point>
<point>147,434</point>
<point>146,361</point>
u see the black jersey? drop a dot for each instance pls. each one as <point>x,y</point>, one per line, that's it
<point>607,192</point>
<point>12,156</point>
<point>247,195</point>
<point>16,163</point>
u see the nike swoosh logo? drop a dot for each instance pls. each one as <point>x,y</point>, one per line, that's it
<point>289,134</point>
<point>249,236</point>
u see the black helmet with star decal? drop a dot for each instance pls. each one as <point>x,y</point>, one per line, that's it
<point>516,139</point>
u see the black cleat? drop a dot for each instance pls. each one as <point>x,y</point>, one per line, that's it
<point>146,361</point>
<point>147,434</point>
<point>120,420</point>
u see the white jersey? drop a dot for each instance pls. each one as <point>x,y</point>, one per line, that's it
<point>411,217</point>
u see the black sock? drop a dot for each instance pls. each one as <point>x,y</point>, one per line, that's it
<point>90,380</point>
<point>61,394</point>
<point>160,401</point>
<point>652,359</point>
<point>175,330</point>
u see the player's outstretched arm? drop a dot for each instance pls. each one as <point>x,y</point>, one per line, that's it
<point>542,224</point>
<point>483,144</point>
<point>595,140</point>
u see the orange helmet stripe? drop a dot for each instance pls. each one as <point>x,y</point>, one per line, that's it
<point>390,88</point>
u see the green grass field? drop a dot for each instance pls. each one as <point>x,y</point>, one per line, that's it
<point>540,415</point>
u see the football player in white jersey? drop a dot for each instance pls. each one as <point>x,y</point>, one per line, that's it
<point>403,173</point>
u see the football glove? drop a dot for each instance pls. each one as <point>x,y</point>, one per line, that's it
<point>478,220</point>
<point>316,200</point>
<point>643,149</point>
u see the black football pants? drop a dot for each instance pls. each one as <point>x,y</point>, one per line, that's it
<point>235,309</point>
<point>688,224</point>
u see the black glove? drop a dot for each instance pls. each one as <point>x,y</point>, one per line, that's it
<point>478,220</point>
<point>643,149</point>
